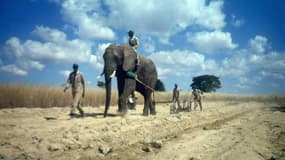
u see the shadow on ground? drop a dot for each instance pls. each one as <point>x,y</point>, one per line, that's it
<point>279,108</point>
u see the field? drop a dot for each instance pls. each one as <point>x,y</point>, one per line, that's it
<point>34,124</point>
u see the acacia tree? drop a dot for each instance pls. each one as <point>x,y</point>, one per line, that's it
<point>206,83</point>
<point>159,86</point>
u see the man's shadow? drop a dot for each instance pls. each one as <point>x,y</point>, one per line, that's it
<point>96,115</point>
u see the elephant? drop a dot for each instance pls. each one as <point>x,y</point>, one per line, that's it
<point>118,60</point>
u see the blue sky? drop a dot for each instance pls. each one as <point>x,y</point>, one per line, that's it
<point>242,42</point>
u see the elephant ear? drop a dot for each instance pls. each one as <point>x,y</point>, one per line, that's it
<point>129,61</point>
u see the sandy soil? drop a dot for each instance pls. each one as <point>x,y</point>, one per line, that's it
<point>224,130</point>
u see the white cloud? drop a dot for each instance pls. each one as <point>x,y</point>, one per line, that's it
<point>97,19</point>
<point>247,83</point>
<point>217,18</point>
<point>272,75</point>
<point>237,22</point>
<point>178,57</point>
<point>86,16</point>
<point>210,67</point>
<point>211,42</point>
<point>49,34</point>
<point>182,63</point>
<point>147,43</point>
<point>258,44</point>
<point>235,66</point>
<point>274,62</point>
<point>241,86</point>
<point>243,63</point>
<point>163,19</point>
<point>53,47</point>
<point>30,64</point>
<point>13,69</point>
<point>163,72</point>
<point>96,60</point>
<point>13,47</point>
<point>65,73</point>
<point>256,59</point>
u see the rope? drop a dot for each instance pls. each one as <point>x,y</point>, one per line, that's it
<point>144,84</point>
<point>146,87</point>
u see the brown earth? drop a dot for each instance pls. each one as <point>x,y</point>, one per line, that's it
<point>224,130</point>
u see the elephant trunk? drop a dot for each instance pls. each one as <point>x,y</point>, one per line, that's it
<point>108,83</point>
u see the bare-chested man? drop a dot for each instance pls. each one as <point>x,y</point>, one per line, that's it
<point>175,96</point>
<point>197,97</point>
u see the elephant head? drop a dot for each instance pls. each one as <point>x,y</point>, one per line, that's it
<point>117,60</point>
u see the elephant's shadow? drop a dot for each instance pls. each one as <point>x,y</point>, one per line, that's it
<point>100,115</point>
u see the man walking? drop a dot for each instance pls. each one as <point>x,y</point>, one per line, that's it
<point>76,81</point>
<point>175,96</point>
<point>197,97</point>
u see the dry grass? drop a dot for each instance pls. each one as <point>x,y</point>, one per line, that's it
<point>21,95</point>
<point>244,98</point>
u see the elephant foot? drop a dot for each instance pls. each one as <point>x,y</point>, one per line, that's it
<point>145,113</point>
<point>153,113</point>
<point>124,113</point>
<point>105,114</point>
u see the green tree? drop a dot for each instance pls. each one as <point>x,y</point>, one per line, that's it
<point>206,83</point>
<point>159,86</point>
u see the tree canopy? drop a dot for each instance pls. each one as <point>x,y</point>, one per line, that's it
<point>159,86</point>
<point>206,83</point>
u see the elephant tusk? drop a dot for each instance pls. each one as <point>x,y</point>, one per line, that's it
<point>113,74</point>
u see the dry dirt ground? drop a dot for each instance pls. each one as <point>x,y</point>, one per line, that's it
<point>224,130</point>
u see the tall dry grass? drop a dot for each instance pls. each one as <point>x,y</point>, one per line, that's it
<point>244,98</point>
<point>22,95</point>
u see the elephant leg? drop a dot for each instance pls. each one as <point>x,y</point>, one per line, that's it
<point>120,85</point>
<point>152,105</point>
<point>152,109</point>
<point>148,104</point>
<point>129,87</point>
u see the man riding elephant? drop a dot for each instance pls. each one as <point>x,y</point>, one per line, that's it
<point>133,40</point>
<point>134,43</point>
